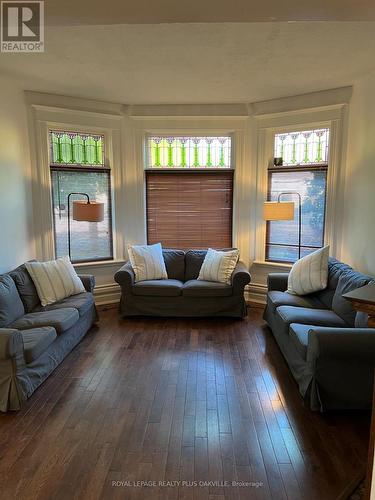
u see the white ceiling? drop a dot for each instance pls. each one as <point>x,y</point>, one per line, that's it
<point>196,63</point>
<point>81,12</point>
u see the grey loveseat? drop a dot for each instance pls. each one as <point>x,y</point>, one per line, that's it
<point>327,345</point>
<point>182,294</point>
<point>35,339</point>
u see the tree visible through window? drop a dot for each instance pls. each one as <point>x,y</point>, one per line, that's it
<point>303,170</point>
<point>77,165</point>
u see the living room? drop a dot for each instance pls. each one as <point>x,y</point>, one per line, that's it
<point>187,299</point>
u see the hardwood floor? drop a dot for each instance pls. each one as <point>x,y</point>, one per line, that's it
<point>187,405</point>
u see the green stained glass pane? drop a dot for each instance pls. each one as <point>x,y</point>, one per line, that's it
<point>189,152</point>
<point>304,147</point>
<point>74,148</point>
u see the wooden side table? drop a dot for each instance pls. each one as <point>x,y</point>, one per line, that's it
<point>363,299</point>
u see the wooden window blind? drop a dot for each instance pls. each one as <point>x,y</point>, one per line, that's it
<point>190,209</point>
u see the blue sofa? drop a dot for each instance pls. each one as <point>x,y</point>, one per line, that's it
<point>182,294</point>
<point>35,339</point>
<point>327,345</point>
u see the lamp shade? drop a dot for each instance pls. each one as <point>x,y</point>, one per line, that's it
<point>89,212</point>
<point>278,210</point>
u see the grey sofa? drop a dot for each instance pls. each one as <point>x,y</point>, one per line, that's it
<point>35,339</point>
<point>327,345</point>
<point>182,294</point>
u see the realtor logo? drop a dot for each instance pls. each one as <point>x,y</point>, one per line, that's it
<point>22,26</point>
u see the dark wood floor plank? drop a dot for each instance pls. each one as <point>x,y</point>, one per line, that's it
<point>186,403</point>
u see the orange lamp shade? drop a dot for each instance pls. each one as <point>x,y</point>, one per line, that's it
<point>278,210</point>
<point>89,212</point>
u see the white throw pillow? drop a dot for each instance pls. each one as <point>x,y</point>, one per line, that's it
<point>309,274</point>
<point>147,262</point>
<point>54,280</point>
<point>218,266</point>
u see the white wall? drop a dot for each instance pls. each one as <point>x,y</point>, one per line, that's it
<point>17,234</point>
<point>16,241</point>
<point>358,244</point>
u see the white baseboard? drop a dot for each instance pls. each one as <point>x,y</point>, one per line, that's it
<point>256,292</point>
<point>107,294</point>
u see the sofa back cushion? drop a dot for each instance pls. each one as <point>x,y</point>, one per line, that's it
<point>193,263</point>
<point>26,288</point>
<point>348,281</point>
<point>174,263</point>
<point>11,307</point>
<point>335,270</point>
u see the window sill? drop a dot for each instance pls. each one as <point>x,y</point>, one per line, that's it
<point>100,263</point>
<point>266,263</point>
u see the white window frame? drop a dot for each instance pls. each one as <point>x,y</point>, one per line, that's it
<point>237,128</point>
<point>106,165</point>
<point>332,117</point>
<point>42,119</point>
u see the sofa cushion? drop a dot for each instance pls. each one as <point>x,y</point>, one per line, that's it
<point>194,260</point>
<point>276,299</point>
<point>309,274</point>
<point>218,266</point>
<point>60,319</point>
<point>200,288</point>
<point>11,306</point>
<point>26,288</point>
<point>348,281</point>
<point>299,335</point>
<point>193,263</point>
<point>175,264</point>
<point>82,302</point>
<point>335,270</point>
<point>36,341</point>
<point>55,279</point>
<point>158,288</point>
<point>308,316</point>
<point>147,262</point>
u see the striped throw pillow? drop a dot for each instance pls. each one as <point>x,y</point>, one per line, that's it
<point>309,274</point>
<point>147,262</point>
<point>54,280</point>
<point>218,266</point>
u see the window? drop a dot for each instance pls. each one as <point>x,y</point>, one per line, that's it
<point>303,170</point>
<point>77,165</point>
<point>189,152</point>
<point>189,192</point>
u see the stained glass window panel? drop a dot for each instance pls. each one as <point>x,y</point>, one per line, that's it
<point>73,148</point>
<point>189,152</point>
<point>306,147</point>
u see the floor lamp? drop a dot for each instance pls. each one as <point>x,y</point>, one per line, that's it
<point>84,210</point>
<point>284,210</point>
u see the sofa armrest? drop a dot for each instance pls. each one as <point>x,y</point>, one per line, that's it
<point>342,344</point>
<point>341,363</point>
<point>240,278</point>
<point>11,343</point>
<point>277,282</point>
<point>125,277</point>
<point>88,281</point>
